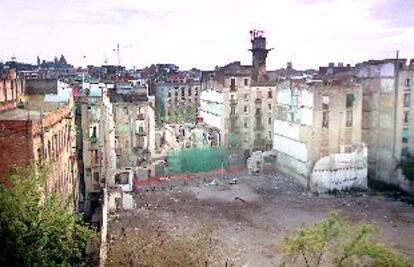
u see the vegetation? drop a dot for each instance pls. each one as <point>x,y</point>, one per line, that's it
<point>38,231</point>
<point>407,167</point>
<point>335,241</point>
<point>183,114</point>
<point>151,245</point>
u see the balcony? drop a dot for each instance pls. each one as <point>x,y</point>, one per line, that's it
<point>233,102</point>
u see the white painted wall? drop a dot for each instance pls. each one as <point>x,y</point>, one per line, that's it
<point>341,171</point>
<point>292,148</point>
<point>284,128</point>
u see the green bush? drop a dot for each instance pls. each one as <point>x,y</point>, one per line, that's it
<point>335,241</point>
<point>38,231</point>
<point>407,168</point>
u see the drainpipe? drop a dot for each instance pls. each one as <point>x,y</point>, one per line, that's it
<point>396,69</point>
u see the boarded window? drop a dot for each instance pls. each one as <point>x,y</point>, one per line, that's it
<point>349,119</point>
<point>350,99</point>
<point>405,135</point>
<point>325,119</point>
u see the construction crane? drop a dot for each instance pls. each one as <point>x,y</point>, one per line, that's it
<point>118,52</point>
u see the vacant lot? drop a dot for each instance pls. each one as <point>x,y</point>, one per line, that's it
<point>249,218</point>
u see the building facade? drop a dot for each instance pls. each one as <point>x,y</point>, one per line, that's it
<point>317,133</point>
<point>39,130</point>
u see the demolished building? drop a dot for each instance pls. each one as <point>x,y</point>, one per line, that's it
<point>315,120</point>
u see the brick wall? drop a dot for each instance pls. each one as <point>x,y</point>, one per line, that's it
<point>14,145</point>
<point>11,91</point>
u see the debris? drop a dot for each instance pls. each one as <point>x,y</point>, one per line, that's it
<point>242,200</point>
<point>234,181</point>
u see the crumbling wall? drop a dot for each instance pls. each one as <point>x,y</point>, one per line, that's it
<point>341,171</point>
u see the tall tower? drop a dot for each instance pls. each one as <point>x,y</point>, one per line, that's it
<point>259,53</point>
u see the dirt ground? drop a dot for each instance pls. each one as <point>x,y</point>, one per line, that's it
<point>250,217</point>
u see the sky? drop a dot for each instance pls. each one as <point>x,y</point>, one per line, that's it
<point>203,34</point>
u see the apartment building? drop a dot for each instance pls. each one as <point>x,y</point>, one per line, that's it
<point>386,119</point>
<point>317,133</point>
<point>177,98</point>
<point>39,128</point>
<point>134,120</point>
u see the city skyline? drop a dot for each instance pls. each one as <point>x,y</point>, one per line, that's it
<point>196,34</point>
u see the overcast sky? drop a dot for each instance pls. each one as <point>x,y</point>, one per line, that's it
<point>205,33</point>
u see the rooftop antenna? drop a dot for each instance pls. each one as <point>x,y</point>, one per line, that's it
<point>118,52</point>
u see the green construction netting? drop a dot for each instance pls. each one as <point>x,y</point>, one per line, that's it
<point>198,159</point>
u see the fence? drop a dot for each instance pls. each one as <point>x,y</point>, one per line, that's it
<point>198,159</point>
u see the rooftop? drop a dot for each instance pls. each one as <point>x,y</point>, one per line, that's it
<point>21,114</point>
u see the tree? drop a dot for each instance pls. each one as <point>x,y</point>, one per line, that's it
<point>335,241</point>
<point>38,231</point>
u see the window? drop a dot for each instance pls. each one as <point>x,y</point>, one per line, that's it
<point>96,176</point>
<point>405,135</point>
<point>350,98</point>
<point>281,113</point>
<point>246,96</point>
<point>407,100</point>
<point>269,134</point>
<point>233,110</point>
<point>405,153</point>
<point>325,119</point>
<point>246,124</point>
<point>189,91</point>
<point>258,111</point>
<point>407,82</point>
<point>232,84</point>
<point>406,116</point>
<point>349,118</point>
<point>246,82</point>
<point>269,121</point>
<point>269,94</point>
<point>169,94</point>
<point>94,157</point>
<point>269,106</point>
<point>245,109</point>
<point>325,102</point>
